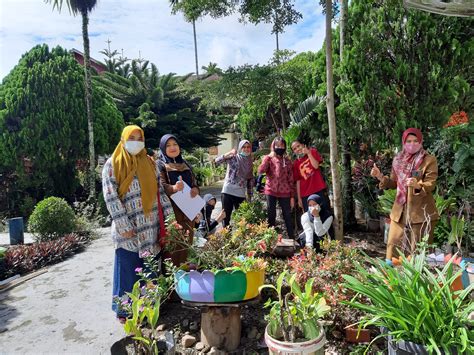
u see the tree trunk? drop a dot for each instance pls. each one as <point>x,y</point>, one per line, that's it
<point>336,184</point>
<point>195,49</point>
<point>347,193</point>
<point>88,92</point>
<point>277,42</point>
<point>282,110</point>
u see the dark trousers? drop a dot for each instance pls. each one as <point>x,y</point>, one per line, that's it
<point>229,203</point>
<point>285,206</point>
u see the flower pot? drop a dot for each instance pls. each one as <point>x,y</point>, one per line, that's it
<point>354,336</point>
<point>166,345</point>
<point>373,225</point>
<point>404,347</point>
<point>220,287</point>
<point>310,347</point>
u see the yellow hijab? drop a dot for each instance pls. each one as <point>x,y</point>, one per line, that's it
<point>126,166</point>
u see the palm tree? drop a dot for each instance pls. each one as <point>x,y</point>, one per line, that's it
<point>336,183</point>
<point>84,7</point>
<point>190,16</point>
<point>212,68</point>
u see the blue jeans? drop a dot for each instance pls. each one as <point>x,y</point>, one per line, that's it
<point>124,274</point>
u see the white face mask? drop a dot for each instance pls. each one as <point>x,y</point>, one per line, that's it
<point>134,147</point>
<point>311,208</point>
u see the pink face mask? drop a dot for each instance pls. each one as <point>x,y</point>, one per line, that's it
<point>412,148</point>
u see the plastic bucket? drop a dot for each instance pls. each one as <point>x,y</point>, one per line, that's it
<point>310,347</point>
<point>16,230</point>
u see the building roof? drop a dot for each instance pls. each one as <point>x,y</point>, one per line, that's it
<point>96,62</point>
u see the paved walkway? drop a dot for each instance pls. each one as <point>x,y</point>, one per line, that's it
<point>67,309</point>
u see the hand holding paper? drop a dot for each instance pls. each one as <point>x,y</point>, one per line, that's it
<point>179,186</point>
<point>188,205</point>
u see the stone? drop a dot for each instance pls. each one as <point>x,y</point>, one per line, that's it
<point>188,341</point>
<point>337,334</point>
<point>200,346</point>
<point>193,326</point>
<point>214,351</point>
<point>161,327</point>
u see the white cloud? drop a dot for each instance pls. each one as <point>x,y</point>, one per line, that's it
<point>146,27</point>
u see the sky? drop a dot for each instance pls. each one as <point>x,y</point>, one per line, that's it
<point>146,28</point>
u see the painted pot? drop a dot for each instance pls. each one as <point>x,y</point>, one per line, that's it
<point>220,287</point>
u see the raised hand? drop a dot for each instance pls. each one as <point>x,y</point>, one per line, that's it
<point>375,172</point>
<point>179,186</point>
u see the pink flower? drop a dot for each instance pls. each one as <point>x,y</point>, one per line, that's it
<point>138,270</point>
<point>146,254</point>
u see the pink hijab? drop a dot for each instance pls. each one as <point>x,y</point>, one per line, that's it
<point>405,163</point>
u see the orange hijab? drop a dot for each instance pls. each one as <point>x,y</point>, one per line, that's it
<point>126,166</point>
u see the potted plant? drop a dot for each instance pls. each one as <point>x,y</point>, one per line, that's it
<point>415,306</point>
<point>142,306</point>
<point>229,267</point>
<point>293,321</point>
<point>366,187</point>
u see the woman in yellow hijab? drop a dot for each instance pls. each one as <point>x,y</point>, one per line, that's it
<point>137,205</point>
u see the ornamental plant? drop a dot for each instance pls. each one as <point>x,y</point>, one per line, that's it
<point>142,305</point>
<point>51,219</point>
<point>242,247</point>
<point>365,186</point>
<point>415,303</point>
<point>295,314</point>
<point>327,270</point>
<point>252,212</point>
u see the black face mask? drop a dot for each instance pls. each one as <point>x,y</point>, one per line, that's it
<point>280,151</point>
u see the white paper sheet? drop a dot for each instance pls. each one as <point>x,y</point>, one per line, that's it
<point>189,206</point>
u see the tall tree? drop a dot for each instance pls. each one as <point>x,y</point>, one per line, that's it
<point>404,68</point>
<point>347,193</point>
<point>161,105</point>
<point>44,127</point>
<point>336,183</point>
<point>191,13</point>
<point>84,7</point>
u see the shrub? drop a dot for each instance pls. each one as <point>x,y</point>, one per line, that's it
<point>252,212</point>
<point>26,258</point>
<point>51,219</point>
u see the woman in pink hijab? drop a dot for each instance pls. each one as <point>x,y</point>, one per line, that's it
<point>414,215</point>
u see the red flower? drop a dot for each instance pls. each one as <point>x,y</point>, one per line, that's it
<point>250,254</point>
<point>262,245</point>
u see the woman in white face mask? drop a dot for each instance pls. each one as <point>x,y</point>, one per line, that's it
<point>414,173</point>
<point>137,205</point>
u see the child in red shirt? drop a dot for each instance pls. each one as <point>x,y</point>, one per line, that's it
<point>307,173</point>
